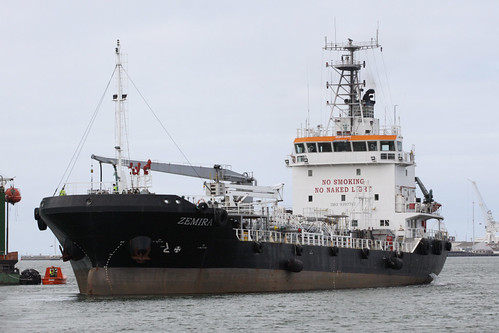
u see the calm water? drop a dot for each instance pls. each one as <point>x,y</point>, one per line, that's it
<point>464,298</point>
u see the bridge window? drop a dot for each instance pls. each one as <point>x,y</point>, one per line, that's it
<point>387,156</point>
<point>359,146</point>
<point>387,145</point>
<point>309,198</point>
<point>312,147</point>
<point>342,146</point>
<point>325,147</point>
<point>355,223</point>
<point>310,173</point>
<point>399,145</point>
<point>299,148</point>
<point>384,223</point>
<point>373,145</point>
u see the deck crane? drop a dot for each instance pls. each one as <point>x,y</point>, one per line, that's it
<point>491,227</point>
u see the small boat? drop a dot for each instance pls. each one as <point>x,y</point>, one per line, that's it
<point>53,275</point>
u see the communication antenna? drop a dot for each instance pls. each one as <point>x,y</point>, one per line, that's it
<point>335,30</point>
<point>395,115</point>
<point>377,33</point>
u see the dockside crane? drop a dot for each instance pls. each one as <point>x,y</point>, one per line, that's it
<point>491,227</point>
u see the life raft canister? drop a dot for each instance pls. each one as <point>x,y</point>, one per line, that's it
<point>12,195</point>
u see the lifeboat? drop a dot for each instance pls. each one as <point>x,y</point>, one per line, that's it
<point>12,195</point>
<point>53,275</point>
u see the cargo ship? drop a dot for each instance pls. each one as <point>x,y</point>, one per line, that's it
<point>357,219</point>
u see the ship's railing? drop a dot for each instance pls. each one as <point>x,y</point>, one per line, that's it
<point>318,239</point>
<point>86,188</point>
<point>96,188</point>
<point>417,207</point>
<point>430,233</point>
<point>328,131</point>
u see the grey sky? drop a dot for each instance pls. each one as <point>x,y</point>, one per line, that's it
<point>229,81</point>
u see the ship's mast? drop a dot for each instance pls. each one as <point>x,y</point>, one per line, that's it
<point>347,92</point>
<point>119,97</point>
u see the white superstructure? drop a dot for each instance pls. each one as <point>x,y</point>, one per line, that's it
<point>352,168</point>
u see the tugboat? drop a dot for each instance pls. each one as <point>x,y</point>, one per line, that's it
<point>356,221</point>
<point>9,274</point>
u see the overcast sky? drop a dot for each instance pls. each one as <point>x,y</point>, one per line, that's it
<point>231,81</point>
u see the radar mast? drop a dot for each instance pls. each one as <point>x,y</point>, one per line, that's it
<point>348,99</point>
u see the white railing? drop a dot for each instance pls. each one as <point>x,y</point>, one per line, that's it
<point>96,188</point>
<point>429,233</point>
<point>318,239</point>
<point>417,207</point>
<point>86,188</point>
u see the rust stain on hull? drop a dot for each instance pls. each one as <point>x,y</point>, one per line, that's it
<point>174,281</point>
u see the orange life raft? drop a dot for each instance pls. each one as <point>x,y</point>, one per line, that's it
<point>53,275</point>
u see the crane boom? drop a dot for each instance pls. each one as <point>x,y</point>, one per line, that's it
<point>216,173</point>
<point>491,227</point>
<point>428,195</point>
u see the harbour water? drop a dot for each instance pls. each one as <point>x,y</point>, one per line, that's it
<point>464,298</point>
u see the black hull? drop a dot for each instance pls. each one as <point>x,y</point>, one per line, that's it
<point>193,251</point>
